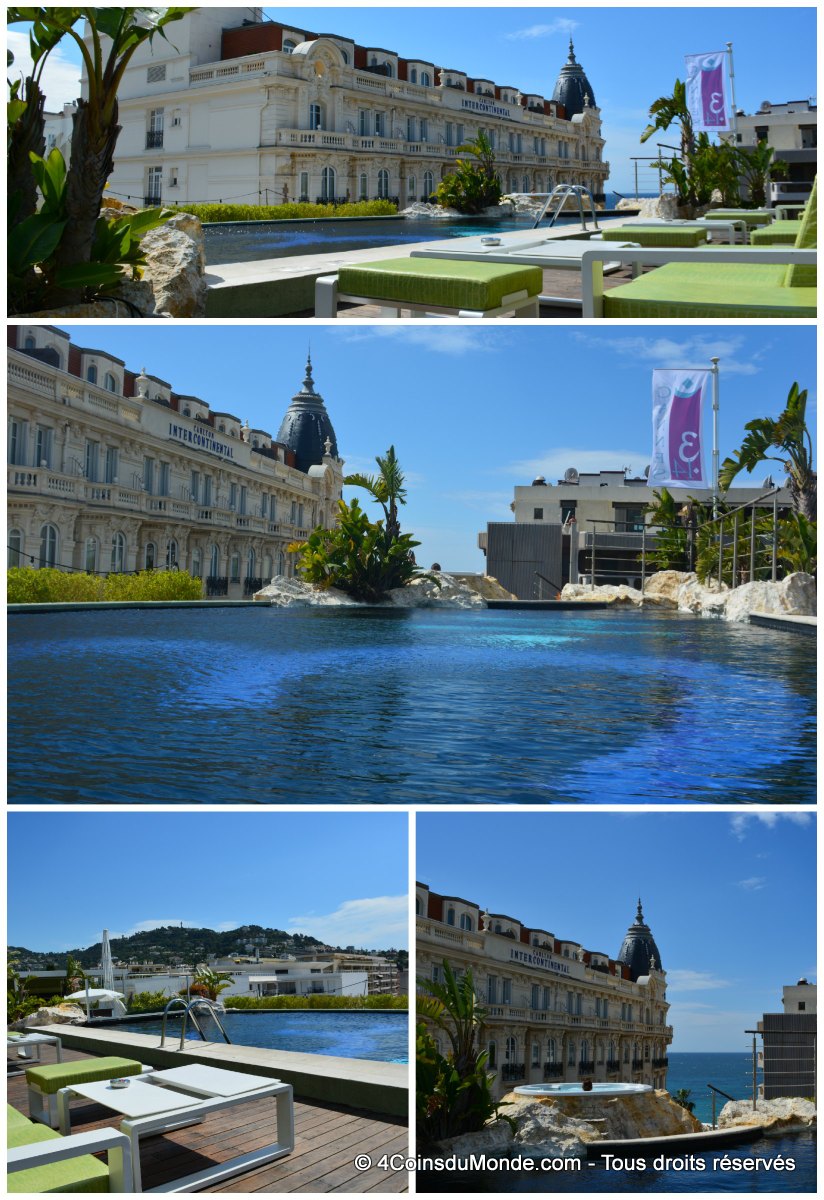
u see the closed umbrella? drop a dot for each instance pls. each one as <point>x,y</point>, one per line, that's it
<point>106,965</point>
<point>89,994</point>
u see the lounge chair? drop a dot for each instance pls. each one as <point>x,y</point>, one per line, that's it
<point>780,233</point>
<point>40,1160</point>
<point>752,216</point>
<point>45,1082</point>
<point>664,234</point>
<point>745,281</point>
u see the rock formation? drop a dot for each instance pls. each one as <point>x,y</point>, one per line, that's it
<point>62,1014</point>
<point>175,267</point>
<point>419,593</point>
<point>788,1114</point>
<point>793,596</point>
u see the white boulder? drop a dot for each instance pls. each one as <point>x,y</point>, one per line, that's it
<point>285,592</point>
<point>62,1014</point>
<point>419,593</point>
<point>786,1114</point>
<point>546,1131</point>
<point>175,266</point>
<point>497,1136</point>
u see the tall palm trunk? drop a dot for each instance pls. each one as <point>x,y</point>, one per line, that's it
<point>27,135</point>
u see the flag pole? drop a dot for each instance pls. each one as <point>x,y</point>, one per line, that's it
<point>734,121</point>
<point>714,370</point>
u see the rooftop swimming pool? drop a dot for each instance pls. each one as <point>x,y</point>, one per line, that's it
<point>597,1091</point>
<point>266,705</point>
<point>250,241</point>
<point>383,1036</point>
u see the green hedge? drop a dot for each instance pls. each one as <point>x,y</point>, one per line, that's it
<point>27,585</point>
<point>289,212</point>
<point>267,1002</point>
<point>148,1002</point>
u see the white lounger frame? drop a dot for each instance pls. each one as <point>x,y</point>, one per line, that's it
<point>43,1106</point>
<point>327,297</point>
<point>117,1146</point>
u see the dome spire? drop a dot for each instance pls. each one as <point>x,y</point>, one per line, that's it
<point>571,58</point>
<point>638,949</point>
<point>572,86</point>
<point>306,426</point>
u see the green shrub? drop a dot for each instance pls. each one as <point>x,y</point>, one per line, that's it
<point>148,1002</point>
<point>473,186</point>
<point>289,212</point>
<point>274,1002</point>
<point>153,585</point>
<point>27,585</point>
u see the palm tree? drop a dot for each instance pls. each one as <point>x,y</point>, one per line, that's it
<point>682,1097</point>
<point>215,982</point>
<point>386,488</point>
<point>788,434</point>
<point>672,110</point>
<point>756,166</point>
<point>453,1007</point>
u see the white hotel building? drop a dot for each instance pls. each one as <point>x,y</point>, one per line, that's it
<point>555,1012</point>
<point>235,107</point>
<point>114,471</point>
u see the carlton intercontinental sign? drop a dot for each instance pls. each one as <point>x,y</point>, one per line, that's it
<point>530,959</point>
<point>492,110</point>
<point>202,438</point>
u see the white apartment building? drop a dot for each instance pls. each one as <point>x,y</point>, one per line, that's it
<point>382,973</point>
<point>235,107</point>
<point>555,1012</point>
<point>114,471</point>
<point>791,129</point>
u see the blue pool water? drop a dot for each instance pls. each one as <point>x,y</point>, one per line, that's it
<point>269,705</point>
<point>346,1034</point>
<point>281,239</point>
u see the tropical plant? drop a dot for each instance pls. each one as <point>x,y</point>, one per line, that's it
<point>453,1091</point>
<point>788,434</point>
<point>474,185</point>
<point>18,1002</point>
<point>25,122</point>
<point>386,488</point>
<point>214,982</point>
<point>682,1097</point>
<point>673,526</point>
<point>673,110</point>
<point>756,166</point>
<point>798,543</point>
<point>75,975</point>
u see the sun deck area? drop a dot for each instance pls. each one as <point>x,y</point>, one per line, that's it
<point>327,1139</point>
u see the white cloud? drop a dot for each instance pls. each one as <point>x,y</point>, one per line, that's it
<point>754,884</point>
<point>60,81</point>
<point>687,350</point>
<point>437,339</point>
<point>561,25</point>
<point>554,462</point>
<point>740,824</point>
<point>373,922</point>
<point>693,981</point>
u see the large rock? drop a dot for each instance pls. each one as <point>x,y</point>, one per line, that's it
<point>639,1115</point>
<point>175,266</point>
<point>543,1129</point>
<point>419,593</point>
<point>285,592</point>
<point>663,587</point>
<point>497,1136</point>
<point>787,1114</point>
<point>485,585</point>
<point>61,1014</point>
<point>794,596</point>
<point>613,593</point>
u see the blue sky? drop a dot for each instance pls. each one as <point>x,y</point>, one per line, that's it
<point>472,411</point>
<point>341,877</point>
<point>631,55</point>
<point>730,898</point>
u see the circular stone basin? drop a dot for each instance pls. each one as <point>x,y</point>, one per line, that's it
<point>575,1089</point>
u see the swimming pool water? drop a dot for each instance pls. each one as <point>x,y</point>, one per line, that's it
<point>269,705</point>
<point>381,1036</point>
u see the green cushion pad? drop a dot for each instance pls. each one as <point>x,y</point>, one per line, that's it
<point>738,214</point>
<point>50,1079</point>
<point>780,233</point>
<point>710,289</point>
<point>652,235</point>
<point>81,1174</point>
<point>443,283</point>
<point>802,276</point>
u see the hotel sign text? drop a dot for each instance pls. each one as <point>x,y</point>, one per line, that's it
<point>530,959</point>
<point>204,438</point>
<point>492,110</point>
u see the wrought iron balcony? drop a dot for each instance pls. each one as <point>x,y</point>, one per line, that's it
<point>586,1068</point>
<point>154,139</point>
<point>153,201</point>
<point>217,585</point>
<point>638,1064</point>
<point>613,1065</point>
<point>553,1070</point>
<point>660,1062</point>
<point>513,1071</point>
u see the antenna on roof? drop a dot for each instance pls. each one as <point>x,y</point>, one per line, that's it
<point>570,475</point>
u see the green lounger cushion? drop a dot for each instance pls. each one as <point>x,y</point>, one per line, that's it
<point>780,233</point>
<point>798,276</point>
<point>711,289</point>
<point>84,1173</point>
<point>653,235</point>
<point>50,1079</point>
<point>443,283</point>
<point>738,214</point>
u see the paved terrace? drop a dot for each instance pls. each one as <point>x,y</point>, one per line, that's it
<point>327,1138</point>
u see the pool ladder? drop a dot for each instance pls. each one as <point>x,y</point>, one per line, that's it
<point>190,1008</point>
<point>559,195</point>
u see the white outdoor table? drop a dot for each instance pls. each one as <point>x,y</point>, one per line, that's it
<point>36,1040</point>
<point>167,1100</point>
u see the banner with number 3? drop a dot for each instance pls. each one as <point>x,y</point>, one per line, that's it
<point>707,88</point>
<point>677,450</point>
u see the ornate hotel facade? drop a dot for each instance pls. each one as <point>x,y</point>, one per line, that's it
<point>110,470</point>
<point>555,1012</point>
<point>237,108</point>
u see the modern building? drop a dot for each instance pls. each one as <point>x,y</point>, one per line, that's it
<point>111,470</point>
<point>235,107</point>
<point>791,129</point>
<point>554,1010</point>
<point>558,527</point>
<point>789,1044</point>
<point>382,973</point>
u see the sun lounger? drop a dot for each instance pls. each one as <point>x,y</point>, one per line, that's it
<point>40,1160</point>
<point>780,233</point>
<point>45,1082</point>
<point>752,216</point>
<point>662,234</point>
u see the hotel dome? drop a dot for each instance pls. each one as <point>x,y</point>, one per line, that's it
<point>306,427</point>
<point>638,949</point>
<point>572,86</point>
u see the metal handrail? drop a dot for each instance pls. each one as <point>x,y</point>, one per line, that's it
<point>560,194</point>
<point>200,1001</point>
<point>175,1000</point>
<point>539,579</point>
<point>726,1096</point>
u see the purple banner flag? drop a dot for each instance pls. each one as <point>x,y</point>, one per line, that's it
<point>707,91</point>
<point>677,450</point>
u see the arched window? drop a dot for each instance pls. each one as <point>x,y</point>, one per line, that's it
<point>15,547</point>
<point>584,1051</point>
<point>550,1050</point>
<point>187,412</point>
<point>304,185</point>
<point>197,563</point>
<point>363,187</point>
<point>511,1049</point>
<point>344,55</point>
<point>413,75</point>
<point>91,374</point>
<point>30,343</point>
<point>571,1053</point>
<point>492,1051</point>
<point>383,184</point>
<point>428,185</point>
<point>525,183</point>
<point>411,187</point>
<point>450,916</point>
<point>150,556</point>
<point>536,1054</point>
<point>110,383</point>
<point>281,563</point>
<point>466,921</point>
<point>221,428</point>
<point>426,79</point>
<point>235,568</point>
<point>315,116</point>
<point>171,554</point>
<point>90,556</point>
<point>267,567</point>
<point>48,546</point>
<point>288,47</point>
<point>214,560</point>
<point>251,562</point>
<point>327,183</point>
<point>118,553</point>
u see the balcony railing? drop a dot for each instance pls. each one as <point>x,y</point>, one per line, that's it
<point>586,1068</point>
<point>553,1070</point>
<point>638,1064</point>
<point>252,585</point>
<point>613,1065</point>
<point>152,200</point>
<point>513,1071</point>
<point>154,139</point>
<point>660,1062</point>
<point>217,585</point>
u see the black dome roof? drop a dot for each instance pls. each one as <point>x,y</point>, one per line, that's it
<point>638,949</point>
<point>306,427</point>
<point>572,86</point>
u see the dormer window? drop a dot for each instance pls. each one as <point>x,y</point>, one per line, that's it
<point>110,383</point>
<point>221,428</point>
<point>289,46</point>
<point>91,374</point>
<point>30,343</point>
<point>187,412</point>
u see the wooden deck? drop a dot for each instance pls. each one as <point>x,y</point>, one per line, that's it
<point>327,1139</point>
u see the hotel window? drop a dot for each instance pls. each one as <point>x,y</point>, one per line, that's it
<point>537,514</point>
<point>92,454</point>
<point>506,991</point>
<point>42,446</point>
<point>90,556</point>
<point>411,187</point>
<point>288,47</point>
<point>571,1054</point>
<point>426,81</point>
<point>264,504</point>
<point>536,1054</point>
<point>195,488</point>
<point>545,1004</point>
<point>235,568</point>
<point>110,383</point>
<point>428,185</point>
<point>163,479</point>
<point>327,184</point>
<point>304,185</point>
<point>214,560</point>
<point>410,129</point>
<point>30,343</point>
<point>436,973</point>
<point>567,509</point>
<point>512,143</point>
<point>466,921</point>
<point>232,495</point>
<point>154,185</point>
<point>584,1051</point>
<point>197,563</point>
<point>171,554</point>
<point>550,1050</point>
<point>449,133</point>
<point>450,916</point>
<point>511,1049</point>
<point>118,553</point>
<point>383,185</point>
<point>536,996</point>
<point>315,117</point>
<point>150,556</point>
<point>91,374</point>
<point>111,464</point>
<point>48,546</point>
<point>363,187</point>
<point>300,515</point>
<point>17,442</point>
<point>207,490</point>
<point>267,567</point>
<point>424,135</point>
<point>244,493</point>
<point>363,122</point>
<point>492,989</point>
<point>459,134</point>
<point>251,562</point>
<point>148,475</point>
<point>378,124</point>
<point>273,508</point>
<point>492,1055</point>
<point>15,547</point>
<point>293,513</point>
